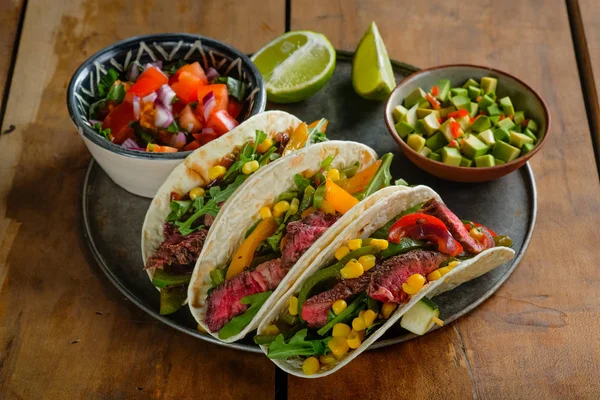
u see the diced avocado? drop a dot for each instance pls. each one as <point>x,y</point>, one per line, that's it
<point>491,95</point>
<point>425,151</point>
<point>404,128</point>
<point>473,147</point>
<point>506,123</point>
<point>498,161</point>
<point>416,142</point>
<point>485,102</point>
<point>461,102</point>
<point>527,147</point>
<point>494,119</point>
<point>399,112</point>
<point>489,85</point>
<point>446,130</point>
<point>485,161</point>
<point>445,111</point>
<point>487,137</point>
<point>451,156</point>
<point>465,162</point>
<point>443,86</point>
<point>481,124</point>
<point>518,139</point>
<point>505,151</point>
<point>425,104</point>
<point>435,157</point>
<point>471,82</point>
<point>519,117</point>
<point>507,106</point>
<point>494,110</point>
<point>415,97</point>
<point>517,128</point>
<point>474,92</point>
<point>431,124</point>
<point>419,128</point>
<point>529,133</point>
<point>465,122</point>
<point>473,110</point>
<point>411,115</point>
<point>502,135</point>
<point>423,112</point>
<point>459,92</point>
<point>436,141</point>
<point>532,125</point>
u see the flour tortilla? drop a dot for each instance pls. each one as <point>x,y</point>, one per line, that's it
<point>371,220</point>
<point>261,190</point>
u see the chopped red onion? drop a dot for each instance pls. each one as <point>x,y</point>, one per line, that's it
<point>130,144</point>
<point>150,98</point>
<point>94,122</point>
<point>163,118</point>
<point>166,95</point>
<point>211,74</point>
<point>136,107</point>
<point>177,140</point>
<point>133,72</point>
<point>227,120</point>
<point>208,130</point>
<point>209,104</point>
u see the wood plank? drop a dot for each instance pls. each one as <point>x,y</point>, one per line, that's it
<point>537,331</point>
<point>10,13</point>
<point>65,332</point>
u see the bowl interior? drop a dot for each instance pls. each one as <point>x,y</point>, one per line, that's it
<point>165,49</point>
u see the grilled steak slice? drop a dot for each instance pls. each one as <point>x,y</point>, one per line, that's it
<point>387,279</point>
<point>457,228</point>
<point>223,303</point>
<point>302,234</point>
<point>177,250</point>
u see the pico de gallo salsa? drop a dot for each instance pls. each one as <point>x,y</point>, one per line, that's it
<point>178,107</point>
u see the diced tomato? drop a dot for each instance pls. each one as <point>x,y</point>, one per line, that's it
<point>455,129</point>
<point>221,97</point>
<point>194,69</point>
<point>188,121</point>
<point>186,87</point>
<point>452,143</point>
<point>471,120</point>
<point>234,108</point>
<point>435,91</point>
<point>149,81</point>
<point>118,122</point>
<point>433,101</point>
<point>191,146</point>
<point>458,114</point>
<point>478,99</point>
<point>221,122</point>
<point>511,117</point>
<point>203,138</point>
<point>156,148</point>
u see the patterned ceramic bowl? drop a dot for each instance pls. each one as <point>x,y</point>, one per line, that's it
<point>140,172</point>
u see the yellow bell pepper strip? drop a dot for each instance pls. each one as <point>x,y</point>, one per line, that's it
<point>339,199</point>
<point>297,140</point>
<point>382,178</point>
<point>316,124</point>
<point>244,254</point>
<point>358,182</point>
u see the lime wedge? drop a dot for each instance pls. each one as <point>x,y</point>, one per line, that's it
<point>295,65</point>
<point>372,74</point>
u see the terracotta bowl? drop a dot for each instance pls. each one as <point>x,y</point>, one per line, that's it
<point>523,98</point>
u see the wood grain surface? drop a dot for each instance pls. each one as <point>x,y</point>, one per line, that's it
<point>65,332</point>
<point>535,337</point>
<point>10,13</point>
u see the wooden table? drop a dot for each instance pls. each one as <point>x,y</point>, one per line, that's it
<point>65,332</point>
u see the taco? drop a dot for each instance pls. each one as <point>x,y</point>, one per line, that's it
<point>275,228</point>
<point>189,201</point>
<point>386,265</point>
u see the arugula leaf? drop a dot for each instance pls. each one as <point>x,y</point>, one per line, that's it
<point>219,195</point>
<point>382,177</point>
<point>261,136</point>
<point>173,67</point>
<point>275,238</point>
<point>301,183</point>
<point>297,346</point>
<point>173,128</point>
<point>144,134</point>
<point>400,182</point>
<point>116,93</point>
<point>107,81</point>
<point>351,310</point>
<point>262,161</point>
<point>178,209</point>
<point>315,135</point>
<point>239,322</point>
<point>185,227</point>
<point>374,327</point>
<point>104,132</point>
<point>235,88</point>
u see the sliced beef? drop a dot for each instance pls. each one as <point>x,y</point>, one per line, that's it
<point>387,279</point>
<point>223,303</point>
<point>302,234</point>
<point>457,228</point>
<point>176,249</point>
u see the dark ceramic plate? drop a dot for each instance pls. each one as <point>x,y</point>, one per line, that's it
<point>113,217</point>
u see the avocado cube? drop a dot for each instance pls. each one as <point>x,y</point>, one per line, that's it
<point>494,118</point>
<point>425,105</point>
<point>527,147</point>
<point>489,84</point>
<point>436,141</point>
<point>494,110</point>
<point>532,125</point>
<point>474,92</point>
<point>485,102</point>
<point>519,139</point>
<point>423,112</point>
<point>505,152</point>
<point>507,106</point>
<point>446,130</point>
<point>425,151</point>
<point>431,124</point>
<point>491,95</point>
<point>471,82</point>
<point>404,128</point>
<point>517,128</point>
<point>506,123</point>
<point>486,160</point>
<point>481,124</point>
<point>487,137</point>
<point>465,122</point>
<point>473,110</point>
<point>473,147</point>
<point>465,162</point>
<point>459,92</point>
<point>443,86</point>
<point>529,133</point>
<point>435,157</point>
<point>498,161</point>
<point>415,97</point>
<point>411,115</point>
<point>445,111</point>
<point>519,117</point>
<point>419,128</point>
<point>451,156</point>
<point>416,142</point>
<point>502,135</point>
<point>399,112</point>
<point>462,102</point>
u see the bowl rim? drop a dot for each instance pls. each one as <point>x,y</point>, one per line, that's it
<point>90,134</point>
<point>406,147</point>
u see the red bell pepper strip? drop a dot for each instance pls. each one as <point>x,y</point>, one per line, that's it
<point>470,224</point>
<point>433,101</point>
<point>418,218</point>
<point>458,114</point>
<point>435,90</point>
<point>455,129</point>
<point>430,232</point>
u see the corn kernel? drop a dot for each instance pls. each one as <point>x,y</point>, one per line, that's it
<point>311,366</point>
<point>387,309</point>
<point>444,270</point>
<point>196,192</point>
<point>333,174</point>
<point>453,264</point>
<point>327,359</point>
<point>369,317</point>
<point>216,172</point>
<point>265,213</point>
<point>361,313</point>
<point>434,276</point>
<point>201,329</point>
<point>272,330</point>
<point>338,346</point>
<point>382,244</point>
<point>409,289</point>
<point>265,145</point>
<point>339,306</point>
<point>352,269</point>
<point>250,167</point>
<point>477,234</point>
<point>342,252</point>
<point>358,324</point>
<point>327,208</point>
<point>280,208</point>
<point>416,280</point>
<point>341,330</point>
<point>367,261</point>
<point>293,307</point>
<point>354,340</point>
<point>354,244</point>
